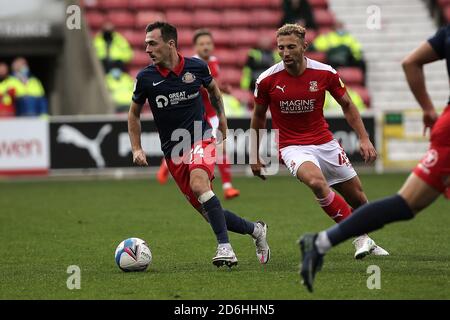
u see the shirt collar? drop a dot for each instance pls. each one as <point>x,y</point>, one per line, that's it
<point>177,70</point>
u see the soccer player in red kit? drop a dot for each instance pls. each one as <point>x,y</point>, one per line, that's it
<point>204,46</point>
<point>294,90</point>
<point>426,183</point>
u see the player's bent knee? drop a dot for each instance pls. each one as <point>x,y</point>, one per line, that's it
<point>199,184</point>
<point>317,184</point>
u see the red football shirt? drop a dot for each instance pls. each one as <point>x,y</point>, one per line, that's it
<point>213,64</point>
<point>296,103</point>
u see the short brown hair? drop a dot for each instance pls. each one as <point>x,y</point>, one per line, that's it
<point>291,28</point>
<point>201,32</point>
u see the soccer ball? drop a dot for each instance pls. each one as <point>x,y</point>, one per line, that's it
<point>133,254</point>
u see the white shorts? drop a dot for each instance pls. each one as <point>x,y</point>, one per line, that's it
<point>214,122</point>
<point>329,157</point>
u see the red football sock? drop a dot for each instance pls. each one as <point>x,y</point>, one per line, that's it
<point>335,207</point>
<point>225,170</point>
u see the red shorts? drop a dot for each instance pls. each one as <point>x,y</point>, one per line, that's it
<point>203,156</point>
<point>435,165</point>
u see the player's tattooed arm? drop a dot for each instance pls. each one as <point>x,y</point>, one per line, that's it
<point>216,101</point>
<point>353,118</point>
<point>134,131</point>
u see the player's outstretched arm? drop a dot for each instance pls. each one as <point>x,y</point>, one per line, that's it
<point>353,118</point>
<point>134,131</point>
<point>413,68</point>
<point>258,122</point>
<point>215,96</point>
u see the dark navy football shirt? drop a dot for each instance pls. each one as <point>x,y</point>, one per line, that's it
<point>175,99</point>
<point>441,44</point>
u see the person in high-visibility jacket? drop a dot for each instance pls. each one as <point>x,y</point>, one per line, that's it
<point>331,105</point>
<point>31,100</point>
<point>342,48</point>
<point>259,59</point>
<point>120,85</point>
<point>112,48</point>
<point>7,93</point>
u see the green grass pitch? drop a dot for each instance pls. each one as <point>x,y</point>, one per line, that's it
<point>47,226</point>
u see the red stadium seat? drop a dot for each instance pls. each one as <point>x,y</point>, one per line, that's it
<point>173,4</point>
<point>133,72</point>
<point>324,18</point>
<point>311,34</point>
<point>244,37</point>
<point>135,38</point>
<point>265,18</point>
<point>185,37</point>
<point>227,57</point>
<point>145,4</point>
<point>241,56</point>
<point>95,19</point>
<point>231,76</point>
<point>203,4</point>
<point>244,96</point>
<point>221,37</point>
<point>322,4</point>
<point>443,3</point>
<point>228,4</point>
<point>251,4</point>
<point>180,18</point>
<point>187,51</point>
<point>207,18</point>
<point>88,4</point>
<point>277,4</point>
<point>236,18</point>
<point>351,75</point>
<point>121,19</point>
<point>140,59</point>
<point>447,14</point>
<point>317,55</point>
<point>143,18</point>
<point>363,92</point>
<point>113,4</point>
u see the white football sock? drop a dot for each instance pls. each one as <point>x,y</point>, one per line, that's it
<point>206,196</point>
<point>323,244</point>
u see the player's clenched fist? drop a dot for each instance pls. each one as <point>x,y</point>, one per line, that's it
<point>256,169</point>
<point>139,158</point>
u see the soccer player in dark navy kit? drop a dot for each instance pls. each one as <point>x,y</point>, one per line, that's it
<point>172,87</point>
<point>426,183</point>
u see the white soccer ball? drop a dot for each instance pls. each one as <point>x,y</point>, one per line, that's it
<point>133,254</point>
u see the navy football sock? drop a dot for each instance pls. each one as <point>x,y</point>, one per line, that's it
<point>370,217</point>
<point>238,224</point>
<point>216,218</point>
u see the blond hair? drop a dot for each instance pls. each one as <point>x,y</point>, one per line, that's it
<point>291,28</point>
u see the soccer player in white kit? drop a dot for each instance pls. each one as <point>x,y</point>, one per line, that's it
<point>294,91</point>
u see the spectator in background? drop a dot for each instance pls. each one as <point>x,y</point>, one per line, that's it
<point>120,85</point>
<point>331,105</point>
<point>7,93</point>
<point>30,93</point>
<point>232,106</point>
<point>342,49</point>
<point>259,59</point>
<point>112,48</point>
<point>300,12</point>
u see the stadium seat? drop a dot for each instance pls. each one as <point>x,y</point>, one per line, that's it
<point>133,72</point>
<point>322,4</point>
<point>363,92</point>
<point>140,59</point>
<point>229,4</point>
<point>185,37</point>
<point>207,19</point>
<point>95,19</point>
<point>179,18</point>
<point>265,18</point>
<point>317,55</point>
<point>221,37</point>
<point>121,19</point>
<point>244,96</point>
<point>231,57</point>
<point>276,4</point>
<point>143,18</point>
<point>447,14</point>
<point>187,51</point>
<point>145,4</point>
<point>311,34</point>
<point>113,4</point>
<point>203,4</point>
<point>236,18</point>
<point>251,4</point>
<point>231,76</point>
<point>443,3</point>
<point>244,37</point>
<point>87,4</point>
<point>135,38</point>
<point>351,75</point>
<point>324,18</point>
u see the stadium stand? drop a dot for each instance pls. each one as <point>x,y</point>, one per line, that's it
<point>236,26</point>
